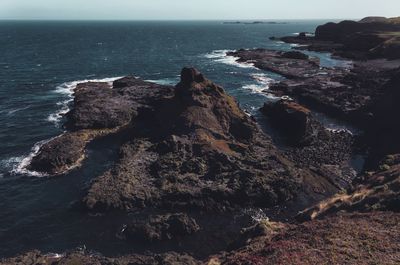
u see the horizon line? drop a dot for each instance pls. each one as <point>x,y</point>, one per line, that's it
<point>201,19</point>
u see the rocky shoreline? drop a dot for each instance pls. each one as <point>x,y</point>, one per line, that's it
<point>195,159</point>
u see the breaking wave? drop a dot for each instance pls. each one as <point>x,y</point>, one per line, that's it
<point>67,90</point>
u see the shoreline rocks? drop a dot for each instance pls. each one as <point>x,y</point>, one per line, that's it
<point>367,39</point>
<point>99,110</point>
<point>190,148</point>
<point>197,150</point>
<point>292,65</point>
<point>311,145</point>
<point>292,119</point>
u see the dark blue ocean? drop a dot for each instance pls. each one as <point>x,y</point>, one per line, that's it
<point>41,62</point>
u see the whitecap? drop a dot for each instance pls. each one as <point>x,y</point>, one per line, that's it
<point>263,82</point>
<point>67,89</point>
<point>20,164</point>
<point>220,56</point>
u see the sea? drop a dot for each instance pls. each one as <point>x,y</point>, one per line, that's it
<point>41,62</point>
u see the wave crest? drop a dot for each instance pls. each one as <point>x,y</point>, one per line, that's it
<point>221,56</point>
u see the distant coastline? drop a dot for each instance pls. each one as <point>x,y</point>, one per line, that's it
<point>253,22</point>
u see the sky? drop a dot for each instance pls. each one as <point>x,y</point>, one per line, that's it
<point>195,9</point>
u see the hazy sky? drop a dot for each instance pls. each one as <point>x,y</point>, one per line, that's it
<point>195,9</point>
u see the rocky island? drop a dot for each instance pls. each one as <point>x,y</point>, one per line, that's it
<point>191,159</point>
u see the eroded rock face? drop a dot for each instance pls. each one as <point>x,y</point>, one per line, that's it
<point>382,135</point>
<point>196,149</point>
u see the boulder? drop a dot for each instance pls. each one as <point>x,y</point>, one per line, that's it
<point>292,119</point>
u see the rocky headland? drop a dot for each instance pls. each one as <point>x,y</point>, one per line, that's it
<point>191,160</point>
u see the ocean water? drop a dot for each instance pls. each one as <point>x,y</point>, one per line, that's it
<point>41,63</point>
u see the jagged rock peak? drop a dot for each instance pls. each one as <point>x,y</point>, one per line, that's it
<point>190,75</point>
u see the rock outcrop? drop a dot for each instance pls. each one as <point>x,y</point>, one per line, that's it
<point>372,37</point>
<point>99,109</point>
<point>195,149</point>
<point>292,119</point>
<point>310,144</point>
<point>293,65</point>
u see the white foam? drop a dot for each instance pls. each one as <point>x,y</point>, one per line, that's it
<point>221,56</point>
<point>20,164</point>
<point>67,89</point>
<point>262,84</point>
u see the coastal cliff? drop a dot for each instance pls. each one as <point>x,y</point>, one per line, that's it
<point>191,161</point>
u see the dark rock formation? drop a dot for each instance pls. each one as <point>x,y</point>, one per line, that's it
<point>369,38</point>
<point>162,227</point>
<point>295,55</point>
<point>311,145</point>
<point>60,154</point>
<point>341,93</point>
<point>197,149</point>
<point>383,133</point>
<point>293,65</point>
<point>293,119</point>
<point>99,109</point>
